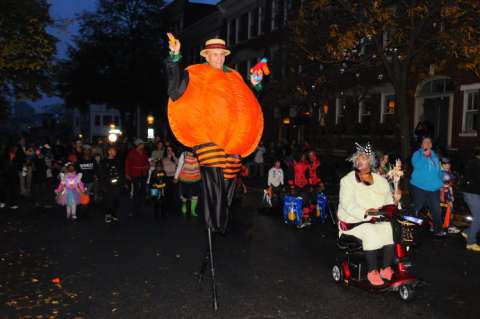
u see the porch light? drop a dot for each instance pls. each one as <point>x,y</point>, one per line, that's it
<point>325,108</point>
<point>391,106</point>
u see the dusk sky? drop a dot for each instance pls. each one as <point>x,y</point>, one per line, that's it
<point>67,10</point>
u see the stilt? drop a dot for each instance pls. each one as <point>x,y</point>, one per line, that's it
<point>212,269</point>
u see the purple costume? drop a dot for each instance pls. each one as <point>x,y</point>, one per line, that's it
<point>68,192</point>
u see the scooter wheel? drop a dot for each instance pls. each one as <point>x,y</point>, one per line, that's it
<point>337,273</point>
<point>406,292</point>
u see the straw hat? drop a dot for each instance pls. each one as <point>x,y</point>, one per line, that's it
<point>214,44</point>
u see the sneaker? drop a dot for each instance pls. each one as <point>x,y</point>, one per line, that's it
<point>14,207</point>
<point>440,233</point>
<point>464,235</point>
<point>2,205</point>
<point>114,218</point>
<point>386,273</point>
<point>375,279</point>
<point>453,230</point>
<point>473,247</point>
<point>108,219</point>
<point>74,217</point>
<point>303,225</point>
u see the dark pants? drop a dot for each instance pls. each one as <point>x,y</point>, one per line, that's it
<point>12,190</point>
<point>371,257</point>
<point>40,194</point>
<point>422,198</point>
<point>111,199</point>
<point>159,208</point>
<point>473,202</point>
<point>138,198</point>
<point>217,197</point>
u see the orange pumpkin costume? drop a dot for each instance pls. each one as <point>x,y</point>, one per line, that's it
<point>220,118</point>
<point>217,107</point>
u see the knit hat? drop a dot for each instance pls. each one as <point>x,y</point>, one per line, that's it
<point>138,141</point>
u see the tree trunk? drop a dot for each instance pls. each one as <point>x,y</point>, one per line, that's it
<point>401,92</point>
<point>404,123</point>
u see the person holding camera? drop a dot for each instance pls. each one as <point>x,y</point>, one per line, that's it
<point>426,181</point>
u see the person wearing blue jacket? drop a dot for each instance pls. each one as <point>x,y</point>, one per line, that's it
<point>426,181</point>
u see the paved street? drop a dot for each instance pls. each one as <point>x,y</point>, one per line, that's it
<point>146,269</point>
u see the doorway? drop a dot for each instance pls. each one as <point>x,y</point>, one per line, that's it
<point>436,117</point>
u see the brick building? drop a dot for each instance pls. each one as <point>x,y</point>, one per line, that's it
<point>449,102</point>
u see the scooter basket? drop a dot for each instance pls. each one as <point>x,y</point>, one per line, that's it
<point>403,231</point>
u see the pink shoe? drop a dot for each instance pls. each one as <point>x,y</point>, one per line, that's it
<point>386,273</point>
<point>374,278</point>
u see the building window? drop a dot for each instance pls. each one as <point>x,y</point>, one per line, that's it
<point>364,111</point>
<point>232,32</point>
<point>97,120</point>
<point>260,20</point>
<point>388,106</point>
<point>107,120</point>
<point>275,14</point>
<point>254,23</point>
<point>340,108</point>
<point>287,5</point>
<point>439,86</point>
<point>243,28</point>
<point>471,111</point>
<point>116,120</point>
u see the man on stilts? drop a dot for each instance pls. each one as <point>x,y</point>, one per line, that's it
<point>213,111</point>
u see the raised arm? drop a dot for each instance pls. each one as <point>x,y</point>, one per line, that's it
<point>177,78</point>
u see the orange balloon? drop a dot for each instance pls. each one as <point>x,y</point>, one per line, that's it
<point>217,107</point>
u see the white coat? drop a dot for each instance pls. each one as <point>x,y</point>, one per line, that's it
<point>355,199</point>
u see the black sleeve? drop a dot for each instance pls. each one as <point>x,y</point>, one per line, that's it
<point>177,79</point>
<point>102,171</point>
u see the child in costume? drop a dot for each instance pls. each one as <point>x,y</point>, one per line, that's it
<point>157,182</point>
<point>275,182</point>
<point>112,182</point>
<point>68,191</point>
<point>446,195</point>
<point>188,174</point>
<point>298,182</point>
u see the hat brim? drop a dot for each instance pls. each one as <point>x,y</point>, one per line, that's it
<point>203,53</point>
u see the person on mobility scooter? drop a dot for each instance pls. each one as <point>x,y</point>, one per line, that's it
<point>362,193</point>
<point>364,234</point>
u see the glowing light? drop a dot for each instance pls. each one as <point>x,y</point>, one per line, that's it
<point>150,119</point>
<point>391,106</point>
<point>150,133</point>
<point>325,108</point>
<point>112,137</point>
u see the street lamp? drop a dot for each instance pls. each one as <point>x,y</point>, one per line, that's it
<point>113,134</point>
<point>150,119</point>
<point>150,129</point>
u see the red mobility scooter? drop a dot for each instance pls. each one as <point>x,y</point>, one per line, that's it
<point>350,268</point>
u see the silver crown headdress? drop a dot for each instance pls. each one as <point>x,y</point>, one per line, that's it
<point>367,150</point>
